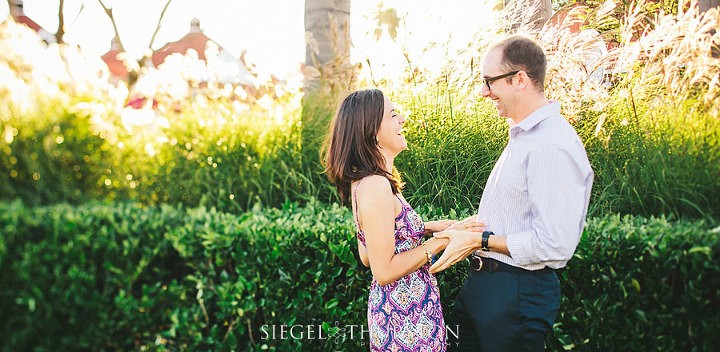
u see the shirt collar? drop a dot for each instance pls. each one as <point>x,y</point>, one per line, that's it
<point>550,109</point>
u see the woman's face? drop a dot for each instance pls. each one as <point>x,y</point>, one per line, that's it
<point>389,136</point>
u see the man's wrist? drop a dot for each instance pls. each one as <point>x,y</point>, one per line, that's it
<point>477,244</point>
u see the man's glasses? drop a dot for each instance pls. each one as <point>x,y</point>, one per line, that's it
<point>488,80</point>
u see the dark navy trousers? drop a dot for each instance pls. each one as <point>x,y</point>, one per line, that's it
<point>505,311</point>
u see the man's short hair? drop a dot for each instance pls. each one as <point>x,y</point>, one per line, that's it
<point>523,53</point>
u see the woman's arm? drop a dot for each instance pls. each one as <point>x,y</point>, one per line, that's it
<point>376,208</point>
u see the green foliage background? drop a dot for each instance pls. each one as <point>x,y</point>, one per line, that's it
<point>192,235</point>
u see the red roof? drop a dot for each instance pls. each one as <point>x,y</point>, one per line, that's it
<point>139,103</point>
<point>117,67</point>
<point>28,22</point>
<point>196,41</point>
<point>574,21</point>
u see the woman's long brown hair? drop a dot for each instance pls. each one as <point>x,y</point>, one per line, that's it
<point>352,151</point>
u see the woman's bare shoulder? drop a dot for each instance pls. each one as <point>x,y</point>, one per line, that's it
<point>374,184</point>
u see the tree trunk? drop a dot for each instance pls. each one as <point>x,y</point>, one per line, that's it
<point>324,41</point>
<point>327,48</point>
<point>318,24</point>
<point>542,10</point>
<point>704,5</point>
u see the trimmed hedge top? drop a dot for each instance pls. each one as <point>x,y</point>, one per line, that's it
<point>118,277</point>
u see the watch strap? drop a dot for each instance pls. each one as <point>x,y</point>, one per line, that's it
<point>484,245</point>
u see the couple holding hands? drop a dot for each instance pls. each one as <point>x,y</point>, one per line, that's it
<point>528,224</point>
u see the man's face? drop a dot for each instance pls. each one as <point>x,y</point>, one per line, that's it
<point>499,91</point>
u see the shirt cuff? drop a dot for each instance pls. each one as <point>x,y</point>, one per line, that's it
<point>519,245</point>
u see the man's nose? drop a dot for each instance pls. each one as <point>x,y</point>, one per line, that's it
<point>484,91</point>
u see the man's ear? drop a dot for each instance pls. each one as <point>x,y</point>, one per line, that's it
<point>524,80</point>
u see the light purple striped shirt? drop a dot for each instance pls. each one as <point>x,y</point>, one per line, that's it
<point>537,194</point>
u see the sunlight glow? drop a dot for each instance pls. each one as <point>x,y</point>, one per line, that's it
<point>271,31</point>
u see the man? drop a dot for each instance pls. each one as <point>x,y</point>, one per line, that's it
<point>534,206</point>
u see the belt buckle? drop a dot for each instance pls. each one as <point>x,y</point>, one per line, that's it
<point>476,264</point>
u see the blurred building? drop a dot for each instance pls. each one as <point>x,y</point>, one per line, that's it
<point>112,58</point>
<point>18,15</point>
<point>145,102</point>
<point>230,69</point>
<point>195,39</point>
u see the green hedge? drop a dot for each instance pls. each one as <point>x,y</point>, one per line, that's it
<point>639,284</point>
<point>119,277</point>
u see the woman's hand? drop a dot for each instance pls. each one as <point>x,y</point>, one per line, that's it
<point>467,224</point>
<point>437,244</point>
<point>437,226</point>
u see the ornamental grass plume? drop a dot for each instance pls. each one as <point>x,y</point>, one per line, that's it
<point>596,59</point>
<point>681,57</point>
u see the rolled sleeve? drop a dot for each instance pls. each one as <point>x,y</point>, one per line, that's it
<point>520,247</point>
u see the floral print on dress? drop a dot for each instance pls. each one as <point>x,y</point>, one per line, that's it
<point>406,315</point>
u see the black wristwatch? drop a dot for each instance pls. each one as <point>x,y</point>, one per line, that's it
<point>484,244</point>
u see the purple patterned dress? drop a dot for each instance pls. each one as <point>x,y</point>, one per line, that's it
<point>406,314</point>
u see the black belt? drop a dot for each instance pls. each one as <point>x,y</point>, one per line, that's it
<point>489,264</point>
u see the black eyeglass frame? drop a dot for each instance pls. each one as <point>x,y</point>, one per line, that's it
<point>488,80</point>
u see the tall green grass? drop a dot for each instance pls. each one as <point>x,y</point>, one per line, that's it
<point>225,160</point>
<point>70,140</point>
<point>646,162</point>
<point>650,161</point>
<point>651,135</point>
<point>453,142</point>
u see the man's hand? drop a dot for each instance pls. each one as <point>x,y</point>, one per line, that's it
<point>467,224</point>
<point>462,244</point>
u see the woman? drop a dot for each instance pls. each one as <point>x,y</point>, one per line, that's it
<point>404,311</point>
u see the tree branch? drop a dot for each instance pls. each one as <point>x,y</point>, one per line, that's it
<point>157,28</point>
<point>112,19</point>
<point>61,24</point>
<point>82,7</point>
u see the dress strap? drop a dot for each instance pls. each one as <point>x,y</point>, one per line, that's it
<point>357,214</point>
